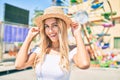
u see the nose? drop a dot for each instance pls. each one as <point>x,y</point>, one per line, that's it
<point>50,30</point>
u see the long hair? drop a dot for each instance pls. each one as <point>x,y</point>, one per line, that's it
<point>46,43</point>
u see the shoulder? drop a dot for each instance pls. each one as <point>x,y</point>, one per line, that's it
<point>73,51</point>
<point>37,50</point>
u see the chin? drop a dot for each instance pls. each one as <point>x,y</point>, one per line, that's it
<point>54,40</point>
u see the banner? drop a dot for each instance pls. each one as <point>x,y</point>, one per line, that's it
<point>14,33</point>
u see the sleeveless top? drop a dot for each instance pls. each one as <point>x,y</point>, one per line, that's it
<point>50,69</point>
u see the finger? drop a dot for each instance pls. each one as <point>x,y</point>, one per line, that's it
<point>72,31</point>
<point>74,25</point>
<point>35,30</point>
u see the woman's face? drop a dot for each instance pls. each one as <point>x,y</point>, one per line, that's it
<point>51,29</point>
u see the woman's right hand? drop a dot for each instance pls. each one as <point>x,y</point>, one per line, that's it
<point>23,60</point>
<point>33,32</point>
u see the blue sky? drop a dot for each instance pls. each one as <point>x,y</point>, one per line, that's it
<point>30,5</point>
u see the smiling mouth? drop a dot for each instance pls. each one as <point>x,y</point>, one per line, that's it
<point>52,35</point>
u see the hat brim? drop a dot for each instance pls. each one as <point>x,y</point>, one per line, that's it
<point>38,20</point>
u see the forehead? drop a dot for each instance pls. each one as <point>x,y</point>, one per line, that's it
<point>50,20</point>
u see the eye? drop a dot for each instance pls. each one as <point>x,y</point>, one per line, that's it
<point>55,25</point>
<point>46,26</point>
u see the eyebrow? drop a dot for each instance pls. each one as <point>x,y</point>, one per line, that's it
<point>51,24</point>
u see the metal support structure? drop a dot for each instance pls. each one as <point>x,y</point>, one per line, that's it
<point>1,42</point>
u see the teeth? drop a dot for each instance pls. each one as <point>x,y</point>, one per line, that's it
<point>52,35</point>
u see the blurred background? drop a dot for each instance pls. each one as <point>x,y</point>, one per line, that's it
<point>100,21</point>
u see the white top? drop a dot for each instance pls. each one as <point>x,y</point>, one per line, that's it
<point>50,69</point>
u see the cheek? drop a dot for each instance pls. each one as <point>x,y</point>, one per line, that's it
<point>57,30</point>
<point>46,32</point>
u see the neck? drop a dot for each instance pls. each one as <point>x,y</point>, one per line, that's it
<point>55,45</point>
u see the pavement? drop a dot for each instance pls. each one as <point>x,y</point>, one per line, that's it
<point>7,64</point>
<point>95,73</point>
<point>6,67</point>
<point>8,72</point>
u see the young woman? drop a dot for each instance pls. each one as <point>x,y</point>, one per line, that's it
<point>53,58</point>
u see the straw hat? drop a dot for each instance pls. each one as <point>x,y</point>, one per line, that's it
<point>53,11</point>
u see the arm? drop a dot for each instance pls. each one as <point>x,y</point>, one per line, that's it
<point>22,59</point>
<point>81,58</point>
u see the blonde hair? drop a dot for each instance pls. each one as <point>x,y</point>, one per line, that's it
<point>46,43</point>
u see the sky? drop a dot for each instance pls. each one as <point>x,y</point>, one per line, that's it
<point>30,5</point>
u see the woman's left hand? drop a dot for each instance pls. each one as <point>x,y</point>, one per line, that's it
<point>75,27</point>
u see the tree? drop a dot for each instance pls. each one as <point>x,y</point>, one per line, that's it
<point>36,14</point>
